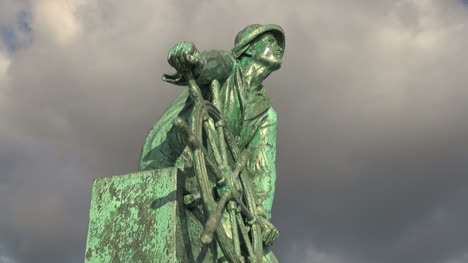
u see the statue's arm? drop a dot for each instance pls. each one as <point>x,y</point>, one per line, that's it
<point>211,64</point>
<point>262,163</point>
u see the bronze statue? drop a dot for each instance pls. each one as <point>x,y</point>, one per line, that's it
<point>221,131</point>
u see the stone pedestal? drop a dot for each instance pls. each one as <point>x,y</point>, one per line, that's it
<point>140,217</point>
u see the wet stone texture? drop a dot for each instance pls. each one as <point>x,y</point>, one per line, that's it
<point>140,218</point>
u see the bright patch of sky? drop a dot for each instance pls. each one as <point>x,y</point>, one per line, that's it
<point>4,63</point>
<point>464,258</point>
<point>3,257</point>
<point>57,20</point>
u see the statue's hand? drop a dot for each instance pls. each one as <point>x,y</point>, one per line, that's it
<point>185,57</point>
<point>269,232</point>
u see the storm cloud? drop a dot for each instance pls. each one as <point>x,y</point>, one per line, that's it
<point>372,150</point>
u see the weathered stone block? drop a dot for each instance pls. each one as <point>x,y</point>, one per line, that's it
<point>140,217</point>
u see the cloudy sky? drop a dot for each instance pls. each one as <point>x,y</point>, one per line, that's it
<point>372,101</point>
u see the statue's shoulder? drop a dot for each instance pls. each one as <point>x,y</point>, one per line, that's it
<point>217,54</point>
<point>272,114</point>
<point>214,58</point>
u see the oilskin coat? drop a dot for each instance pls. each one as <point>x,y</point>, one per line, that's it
<point>248,115</point>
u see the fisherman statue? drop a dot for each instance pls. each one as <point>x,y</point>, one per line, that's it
<point>221,131</point>
<point>206,180</point>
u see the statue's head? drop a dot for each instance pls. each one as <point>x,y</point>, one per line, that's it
<point>264,43</point>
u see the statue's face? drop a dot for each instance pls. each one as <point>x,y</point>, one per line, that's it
<point>267,51</point>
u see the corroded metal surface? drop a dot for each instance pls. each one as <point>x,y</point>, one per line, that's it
<point>125,225</point>
<point>139,217</point>
<point>223,114</point>
<point>207,180</point>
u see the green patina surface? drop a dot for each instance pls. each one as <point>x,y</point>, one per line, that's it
<point>232,83</point>
<point>142,217</point>
<point>138,217</point>
<point>124,224</point>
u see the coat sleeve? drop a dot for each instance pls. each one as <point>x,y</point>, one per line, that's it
<point>217,64</point>
<point>262,164</point>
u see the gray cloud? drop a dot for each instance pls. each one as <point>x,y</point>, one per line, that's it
<point>372,147</point>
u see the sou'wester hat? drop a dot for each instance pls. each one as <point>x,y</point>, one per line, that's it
<point>250,32</point>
